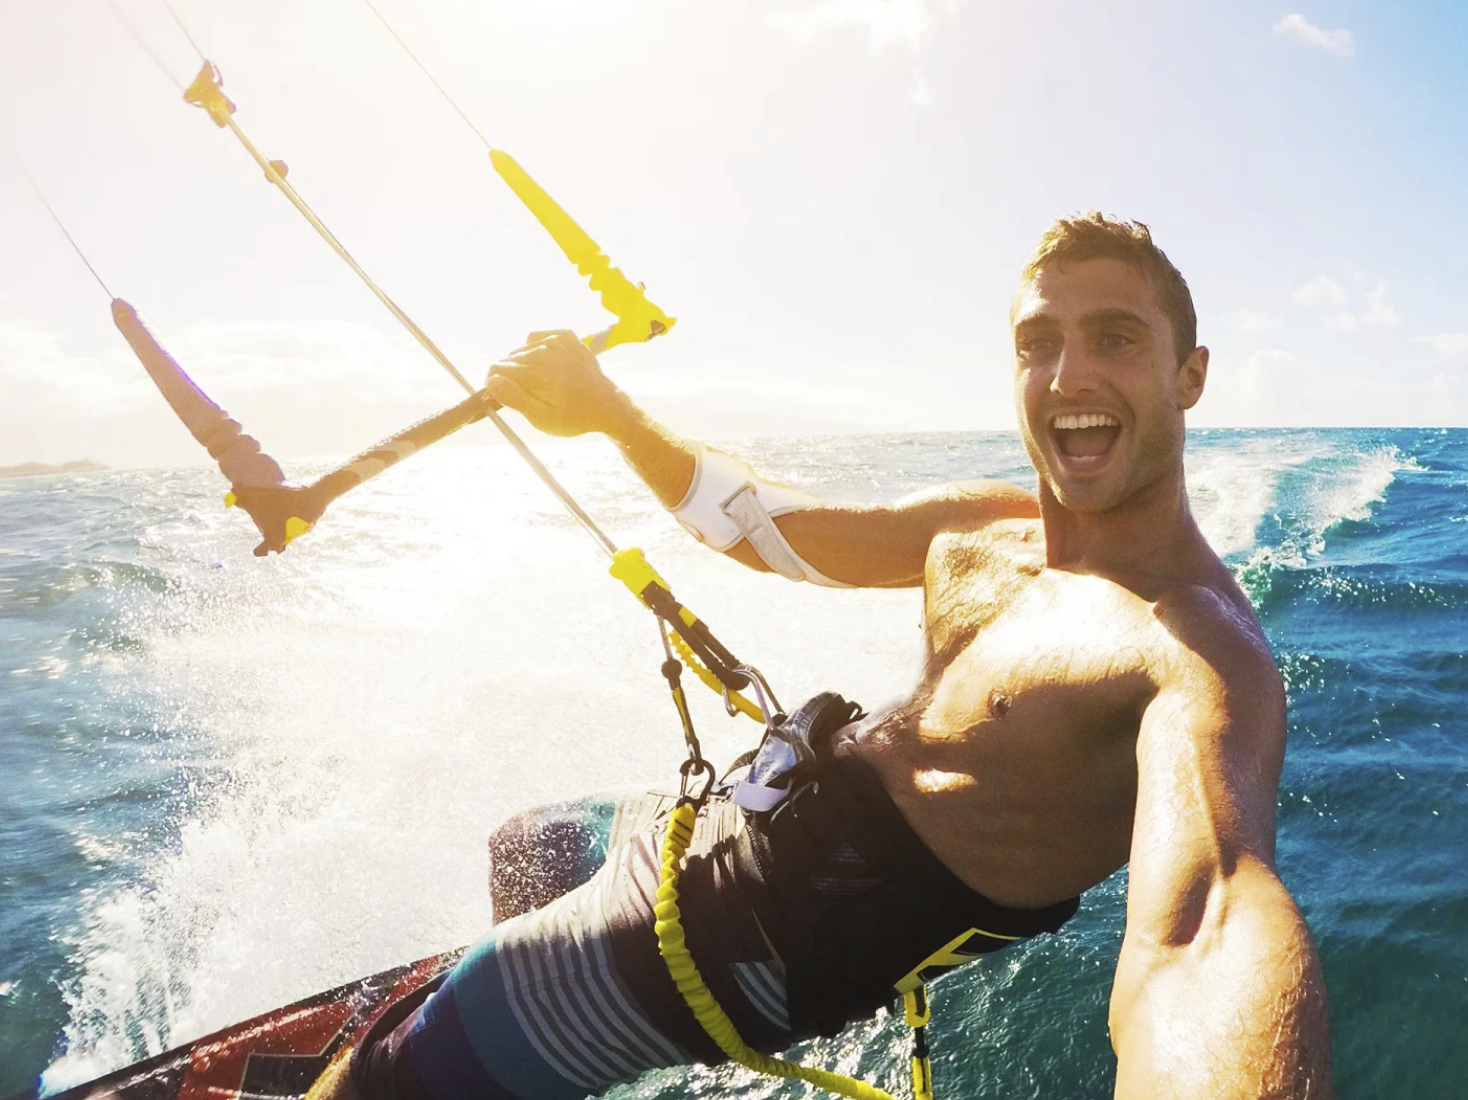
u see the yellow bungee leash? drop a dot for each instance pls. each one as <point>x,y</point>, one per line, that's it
<point>700,999</point>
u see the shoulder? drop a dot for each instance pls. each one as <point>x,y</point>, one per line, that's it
<point>1212,627</point>
<point>1215,677</point>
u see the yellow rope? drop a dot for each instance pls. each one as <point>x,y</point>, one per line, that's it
<point>674,949</point>
<point>745,707</point>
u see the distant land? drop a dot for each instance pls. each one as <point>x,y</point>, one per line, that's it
<point>40,469</point>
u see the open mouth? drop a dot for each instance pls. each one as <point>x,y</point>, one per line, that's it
<point>1087,437</point>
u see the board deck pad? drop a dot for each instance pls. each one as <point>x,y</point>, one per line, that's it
<point>274,1056</point>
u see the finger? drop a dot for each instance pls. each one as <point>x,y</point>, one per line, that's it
<point>544,349</point>
<point>515,367</point>
<point>549,334</point>
<point>511,394</point>
<point>529,356</point>
<point>526,350</point>
<point>530,377</point>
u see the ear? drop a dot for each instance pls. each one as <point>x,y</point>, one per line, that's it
<point>1191,377</point>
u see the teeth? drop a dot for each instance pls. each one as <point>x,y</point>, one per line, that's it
<point>1071,421</point>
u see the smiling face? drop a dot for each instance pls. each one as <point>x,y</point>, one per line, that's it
<point>1098,385</point>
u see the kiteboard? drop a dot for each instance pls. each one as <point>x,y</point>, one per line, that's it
<point>274,1056</point>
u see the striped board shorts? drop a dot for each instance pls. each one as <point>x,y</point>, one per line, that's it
<point>563,1001</point>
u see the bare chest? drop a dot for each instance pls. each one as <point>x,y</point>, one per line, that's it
<point>1031,654</point>
<point>1015,759</point>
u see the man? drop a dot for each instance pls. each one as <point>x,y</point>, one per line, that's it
<point>1097,692</point>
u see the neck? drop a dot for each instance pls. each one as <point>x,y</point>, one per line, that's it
<point>1151,532</point>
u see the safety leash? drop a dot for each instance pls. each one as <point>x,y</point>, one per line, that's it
<point>672,942</point>
<point>673,947</point>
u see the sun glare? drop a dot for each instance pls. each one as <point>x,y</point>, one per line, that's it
<point>555,25</point>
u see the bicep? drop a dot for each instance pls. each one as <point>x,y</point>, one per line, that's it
<point>1207,767</point>
<point>886,545</point>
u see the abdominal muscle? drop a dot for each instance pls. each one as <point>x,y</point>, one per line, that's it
<point>1028,807</point>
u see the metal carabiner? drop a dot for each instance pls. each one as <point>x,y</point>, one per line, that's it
<point>693,766</point>
<point>768,704</point>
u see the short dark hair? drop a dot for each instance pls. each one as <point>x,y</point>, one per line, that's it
<point>1094,236</point>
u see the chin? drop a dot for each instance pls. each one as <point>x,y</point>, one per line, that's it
<point>1085,496</point>
<point>1087,500</point>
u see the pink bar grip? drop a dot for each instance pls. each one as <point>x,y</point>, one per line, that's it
<point>238,454</point>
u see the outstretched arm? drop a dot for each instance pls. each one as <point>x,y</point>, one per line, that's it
<point>557,384</point>
<point>1218,992</point>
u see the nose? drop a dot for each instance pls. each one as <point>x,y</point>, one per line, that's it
<point>1075,372</point>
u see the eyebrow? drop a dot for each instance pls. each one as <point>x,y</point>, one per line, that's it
<point>1113,315</point>
<point>1110,315</point>
<point>1035,320</point>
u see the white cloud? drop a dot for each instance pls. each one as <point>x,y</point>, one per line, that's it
<point>921,92</point>
<point>1257,391</point>
<point>901,25</point>
<point>1253,321</point>
<point>55,407</point>
<point>1321,292</point>
<point>888,23</point>
<point>287,356</point>
<point>1329,300</point>
<point>39,375</point>
<point>306,388</point>
<point>1338,43</point>
<point>1269,361</point>
<point>1450,345</point>
<point>1377,310</point>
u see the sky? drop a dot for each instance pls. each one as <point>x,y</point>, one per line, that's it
<point>834,197</point>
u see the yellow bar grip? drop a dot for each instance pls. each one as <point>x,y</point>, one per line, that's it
<point>295,527</point>
<point>922,1079</point>
<point>638,319</point>
<point>636,572</point>
<point>633,569</point>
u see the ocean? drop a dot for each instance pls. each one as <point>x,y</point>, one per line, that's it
<point>230,782</point>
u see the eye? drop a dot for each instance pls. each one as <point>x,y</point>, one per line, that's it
<point>1114,341</point>
<point>1032,347</point>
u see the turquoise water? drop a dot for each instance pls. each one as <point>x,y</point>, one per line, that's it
<point>229,783</point>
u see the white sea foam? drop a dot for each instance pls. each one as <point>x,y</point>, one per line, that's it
<point>1233,489</point>
<point>1362,485</point>
<point>1316,490</point>
<point>377,705</point>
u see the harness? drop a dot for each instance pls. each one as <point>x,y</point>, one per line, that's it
<point>850,898</point>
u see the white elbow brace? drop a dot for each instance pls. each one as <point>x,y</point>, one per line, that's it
<point>728,501</point>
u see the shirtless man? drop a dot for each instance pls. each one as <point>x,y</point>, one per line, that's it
<point>1097,690</point>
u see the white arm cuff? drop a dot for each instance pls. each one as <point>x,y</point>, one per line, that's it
<point>727,501</point>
